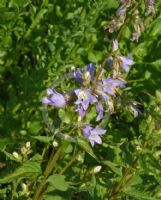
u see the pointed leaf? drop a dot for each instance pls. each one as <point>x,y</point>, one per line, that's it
<point>58,181</point>
<point>45,139</point>
<point>84,144</point>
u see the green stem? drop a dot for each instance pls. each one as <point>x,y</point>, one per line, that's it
<point>69,163</point>
<point>51,164</point>
<point>123,180</point>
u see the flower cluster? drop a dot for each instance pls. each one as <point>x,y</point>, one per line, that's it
<point>130,6</point>
<point>150,7</point>
<point>118,21</point>
<point>98,91</point>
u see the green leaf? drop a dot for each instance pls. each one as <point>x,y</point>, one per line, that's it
<point>65,116</point>
<point>34,127</point>
<point>29,169</point>
<point>113,167</point>
<point>10,156</point>
<point>112,4</point>
<point>58,182</point>
<point>4,142</point>
<point>85,145</point>
<point>52,197</point>
<point>19,3</point>
<point>95,57</point>
<point>137,194</point>
<point>156,28</point>
<point>45,139</point>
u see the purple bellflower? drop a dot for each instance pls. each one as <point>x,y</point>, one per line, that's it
<point>115,45</point>
<point>150,7</point>
<point>107,87</point>
<point>54,99</point>
<point>99,109</point>
<point>84,98</point>
<point>126,61</point>
<point>123,61</point>
<point>93,134</point>
<point>85,74</point>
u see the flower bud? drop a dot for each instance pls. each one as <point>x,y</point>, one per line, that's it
<point>15,154</point>
<point>23,150</point>
<point>24,187</point>
<point>97,169</point>
<point>28,144</point>
<point>55,144</point>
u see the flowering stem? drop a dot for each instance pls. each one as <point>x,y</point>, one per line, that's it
<point>117,38</point>
<point>127,20</point>
<point>50,166</point>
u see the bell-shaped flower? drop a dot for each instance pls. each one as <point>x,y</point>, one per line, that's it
<point>93,134</point>
<point>84,99</point>
<point>126,61</point>
<point>115,45</point>
<point>100,110</point>
<point>86,74</point>
<point>108,86</point>
<point>54,99</point>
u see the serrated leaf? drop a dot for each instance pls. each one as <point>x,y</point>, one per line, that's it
<point>29,169</point>
<point>58,181</point>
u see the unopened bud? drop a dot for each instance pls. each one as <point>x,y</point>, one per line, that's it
<point>15,154</point>
<point>28,144</point>
<point>25,190</point>
<point>79,118</point>
<point>24,187</point>
<point>23,150</point>
<point>97,169</point>
<point>55,144</point>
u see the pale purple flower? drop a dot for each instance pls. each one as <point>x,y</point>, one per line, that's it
<point>150,7</point>
<point>115,45</point>
<point>84,99</point>
<point>93,134</point>
<point>77,74</point>
<point>86,73</point>
<point>99,109</point>
<point>107,87</point>
<point>135,37</point>
<point>133,106</point>
<point>123,8</point>
<point>126,61</point>
<point>54,99</point>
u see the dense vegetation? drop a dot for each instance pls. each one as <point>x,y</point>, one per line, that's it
<point>45,151</point>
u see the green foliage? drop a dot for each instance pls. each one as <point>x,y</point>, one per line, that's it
<point>58,182</point>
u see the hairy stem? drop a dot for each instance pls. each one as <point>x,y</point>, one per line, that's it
<point>49,168</point>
